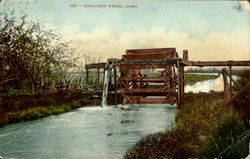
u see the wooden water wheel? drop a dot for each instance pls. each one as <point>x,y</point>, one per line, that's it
<point>148,83</point>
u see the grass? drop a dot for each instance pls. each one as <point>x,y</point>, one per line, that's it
<point>15,92</point>
<point>39,112</point>
<point>24,108</point>
<point>230,139</point>
<point>192,78</point>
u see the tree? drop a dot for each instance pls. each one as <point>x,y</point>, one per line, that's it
<point>31,55</point>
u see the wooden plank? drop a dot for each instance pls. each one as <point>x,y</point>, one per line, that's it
<point>185,54</point>
<point>115,87</point>
<point>152,50</point>
<point>179,86</point>
<point>98,76</point>
<point>142,66</point>
<point>185,62</point>
<point>95,65</point>
<point>156,56</point>
<point>230,77</point>
<point>103,74</point>
<point>141,78</point>
<point>132,62</point>
<point>146,81</point>
<point>226,89</point>
<point>243,89</point>
<point>232,80</point>
<point>182,85</point>
<point>145,92</point>
<point>129,101</point>
<point>144,100</point>
<point>220,63</point>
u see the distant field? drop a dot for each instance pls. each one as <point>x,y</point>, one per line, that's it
<point>192,78</point>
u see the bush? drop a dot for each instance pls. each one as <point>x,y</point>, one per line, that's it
<point>230,139</point>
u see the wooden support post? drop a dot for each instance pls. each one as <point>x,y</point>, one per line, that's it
<point>179,85</point>
<point>182,85</point>
<point>230,77</point>
<point>87,77</point>
<point>115,89</point>
<point>185,54</point>
<point>242,90</point>
<point>98,76</point>
<point>103,75</point>
<point>226,89</point>
<point>110,76</point>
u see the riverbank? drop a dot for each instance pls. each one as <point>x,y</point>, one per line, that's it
<point>30,107</point>
<point>196,123</point>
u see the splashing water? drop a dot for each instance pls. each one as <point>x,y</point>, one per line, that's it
<point>105,86</point>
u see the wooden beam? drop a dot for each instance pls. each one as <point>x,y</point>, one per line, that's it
<point>115,87</point>
<point>151,56</point>
<point>153,50</point>
<point>232,80</point>
<point>220,63</point>
<point>98,76</point>
<point>185,54</point>
<point>179,86</point>
<point>243,89</point>
<point>172,61</point>
<point>142,66</point>
<point>182,85</point>
<point>141,78</point>
<point>145,92</point>
<point>95,65</point>
<point>185,62</point>
<point>103,75</point>
<point>226,89</point>
<point>168,61</point>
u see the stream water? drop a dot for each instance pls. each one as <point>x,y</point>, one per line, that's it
<point>207,85</point>
<point>90,132</point>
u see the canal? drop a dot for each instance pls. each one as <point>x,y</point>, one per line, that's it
<point>91,132</point>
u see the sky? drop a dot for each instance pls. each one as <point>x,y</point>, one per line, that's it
<point>209,30</point>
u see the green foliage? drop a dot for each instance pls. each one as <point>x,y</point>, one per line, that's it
<point>16,92</point>
<point>244,78</point>
<point>242,104</point>
<point>30,107</point>
<point>230,139</point>
<point>31,55</point>
<point>192,78</point>
<point>38,112</point>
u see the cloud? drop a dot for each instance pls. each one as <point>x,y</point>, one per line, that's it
<point>215,46</point>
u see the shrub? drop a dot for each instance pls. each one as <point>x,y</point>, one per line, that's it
<point>230,139</point>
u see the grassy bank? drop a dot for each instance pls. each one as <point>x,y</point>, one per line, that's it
<point>192,78</point>
<point>195,121</point>
<point>30,107</point>
<point>196,125</point>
